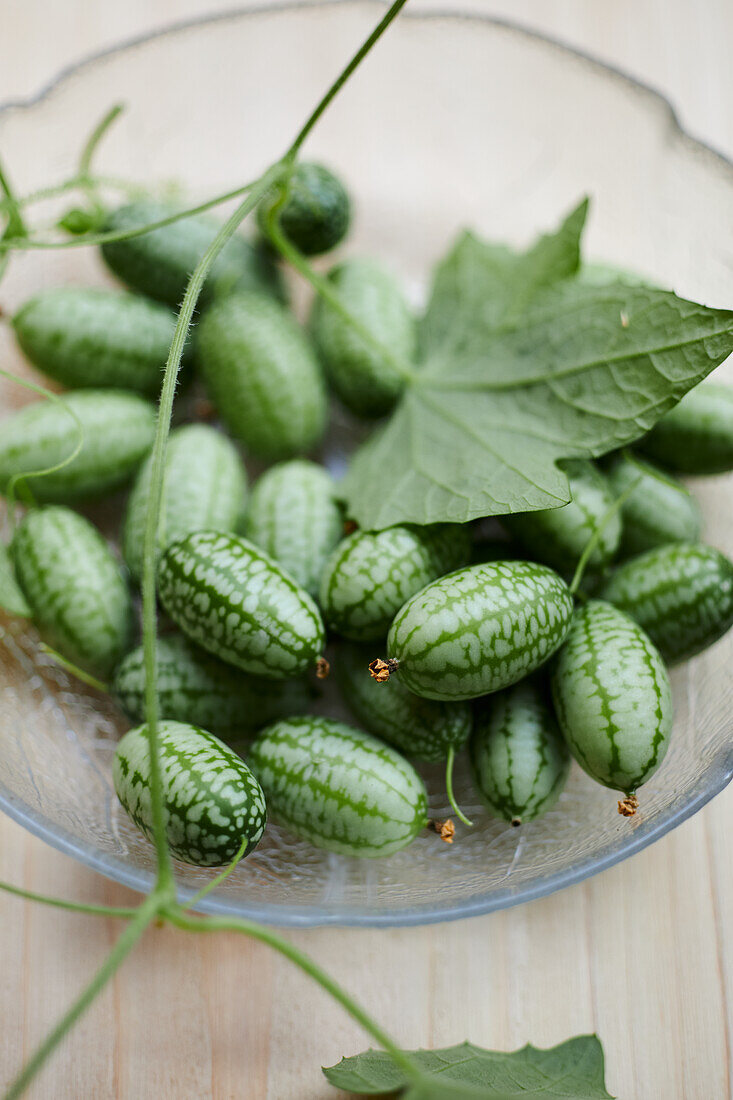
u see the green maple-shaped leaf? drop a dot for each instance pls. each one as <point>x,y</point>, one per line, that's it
<point>11,597</point>
<point>574,1070</point>
<point>523,366</point>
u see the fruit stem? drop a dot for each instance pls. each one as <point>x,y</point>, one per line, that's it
<point>449,787</point>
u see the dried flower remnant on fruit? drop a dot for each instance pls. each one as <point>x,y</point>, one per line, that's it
<point>323,668</point>
<point>382,670</point>
<point>628,806</point>
<point>446,830</point>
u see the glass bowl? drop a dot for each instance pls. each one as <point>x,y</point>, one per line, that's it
<point>453,121</point>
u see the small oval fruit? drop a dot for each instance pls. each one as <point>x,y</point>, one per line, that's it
<point>262,375</point>
<point>211,800</point>
<point>696,436</point>
<point>159,263</point>
<point>89,337</point>
<point>338,787</point>
<point>659,508</point>
<point>118,430</point>
<point>235,601</point>
<point>192,686</point>
<point>364,377</point>
<point>558,536</point>
<point>681,594</point>
<point>316,214</point>
<point>204,488</point>
<point>613,698</point>
<point>294,516</point>
<point>371,574</point>
<point>76,591</point>
<point>421,728</point>
<point>518,757</point>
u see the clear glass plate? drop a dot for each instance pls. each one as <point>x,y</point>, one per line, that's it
<point>453,121</point>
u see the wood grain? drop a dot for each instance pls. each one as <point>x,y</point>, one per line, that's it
<point>642,954</point>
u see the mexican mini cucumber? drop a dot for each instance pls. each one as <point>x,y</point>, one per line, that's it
<point>659,508</point>
<point>518,757</point>
<point>262,375</point>
<point>338,787</point>
<point>478,630</point>
<point>78,597</point>
<point>193,686</point>
<point>696,436</point>
<point>370,575</point>
<point>159,263</point>
<point>681,594</point>
<point>421,728</point>
<point>212,802</point>
<point>204,488</point>
<point>363,378</point>
<point>90,337</point>
<point>613,698</point>
<point>237,602</point>
<point>294,516</point>
<point>558,536</point>
<point>317,211</point>
<point>118,430</point>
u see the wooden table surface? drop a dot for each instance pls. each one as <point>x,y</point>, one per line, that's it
<point>642,954</point>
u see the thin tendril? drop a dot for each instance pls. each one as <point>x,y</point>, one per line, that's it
<point>325,289</point>
<point>217,881</point>
<point>16,227</point>
<point>79,673</point>
<point>309,967</point>
<point>90,148</point>
<point>449,787</point>
<point>72,906</point>
<point>595,538</point>
<point>132,933</point>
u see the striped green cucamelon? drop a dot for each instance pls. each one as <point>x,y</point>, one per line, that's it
<point>659,508</point>
<point>11,595</point>
<point>558,536</point>
<point>237,602</point>
<point>74,587</point>
<point>293,514</point>
<point>519,759</point>
<point>316,214</point>
<point>118,430</point>
<point>91,337</point>
<point>371,574</point>
<point>681,594</point>
<point>204,488</point>
<point>612,697</point>
<point>696,436</point>
<point>211,800</point>
<point>262,375</point>
<point>478,630</point>
<point>159,263</point>
<point>338,787</point>
<point>421,728</point>
<point>363,376</point>
<point>193,686</point>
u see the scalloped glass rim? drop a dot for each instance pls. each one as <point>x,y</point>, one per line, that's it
<point>719,768</point>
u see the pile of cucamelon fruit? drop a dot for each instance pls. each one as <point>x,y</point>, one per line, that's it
<point>471,641</point>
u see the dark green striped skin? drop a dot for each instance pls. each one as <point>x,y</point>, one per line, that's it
<point>421,728</point>
<point>681,594</point>
<point>480,629</point>
<point>262,375</point>
<point>658,510</point>
<point>696,436</point>
<point>205,489</point>
<point>317,211</point>
<point>74,587</point>
<point>371,574</point>
<point>90,337</point>
<point>519,760</point>
<point>366,382</point>
<point>612,697</point>
<point>558,536</point>
<point>118,433</point>
<point>193,686</point>
<point>159,263</point>
<point>294,516</point>
<point>211,799</point>
<point>338,787</point>
<point>231,598</point>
